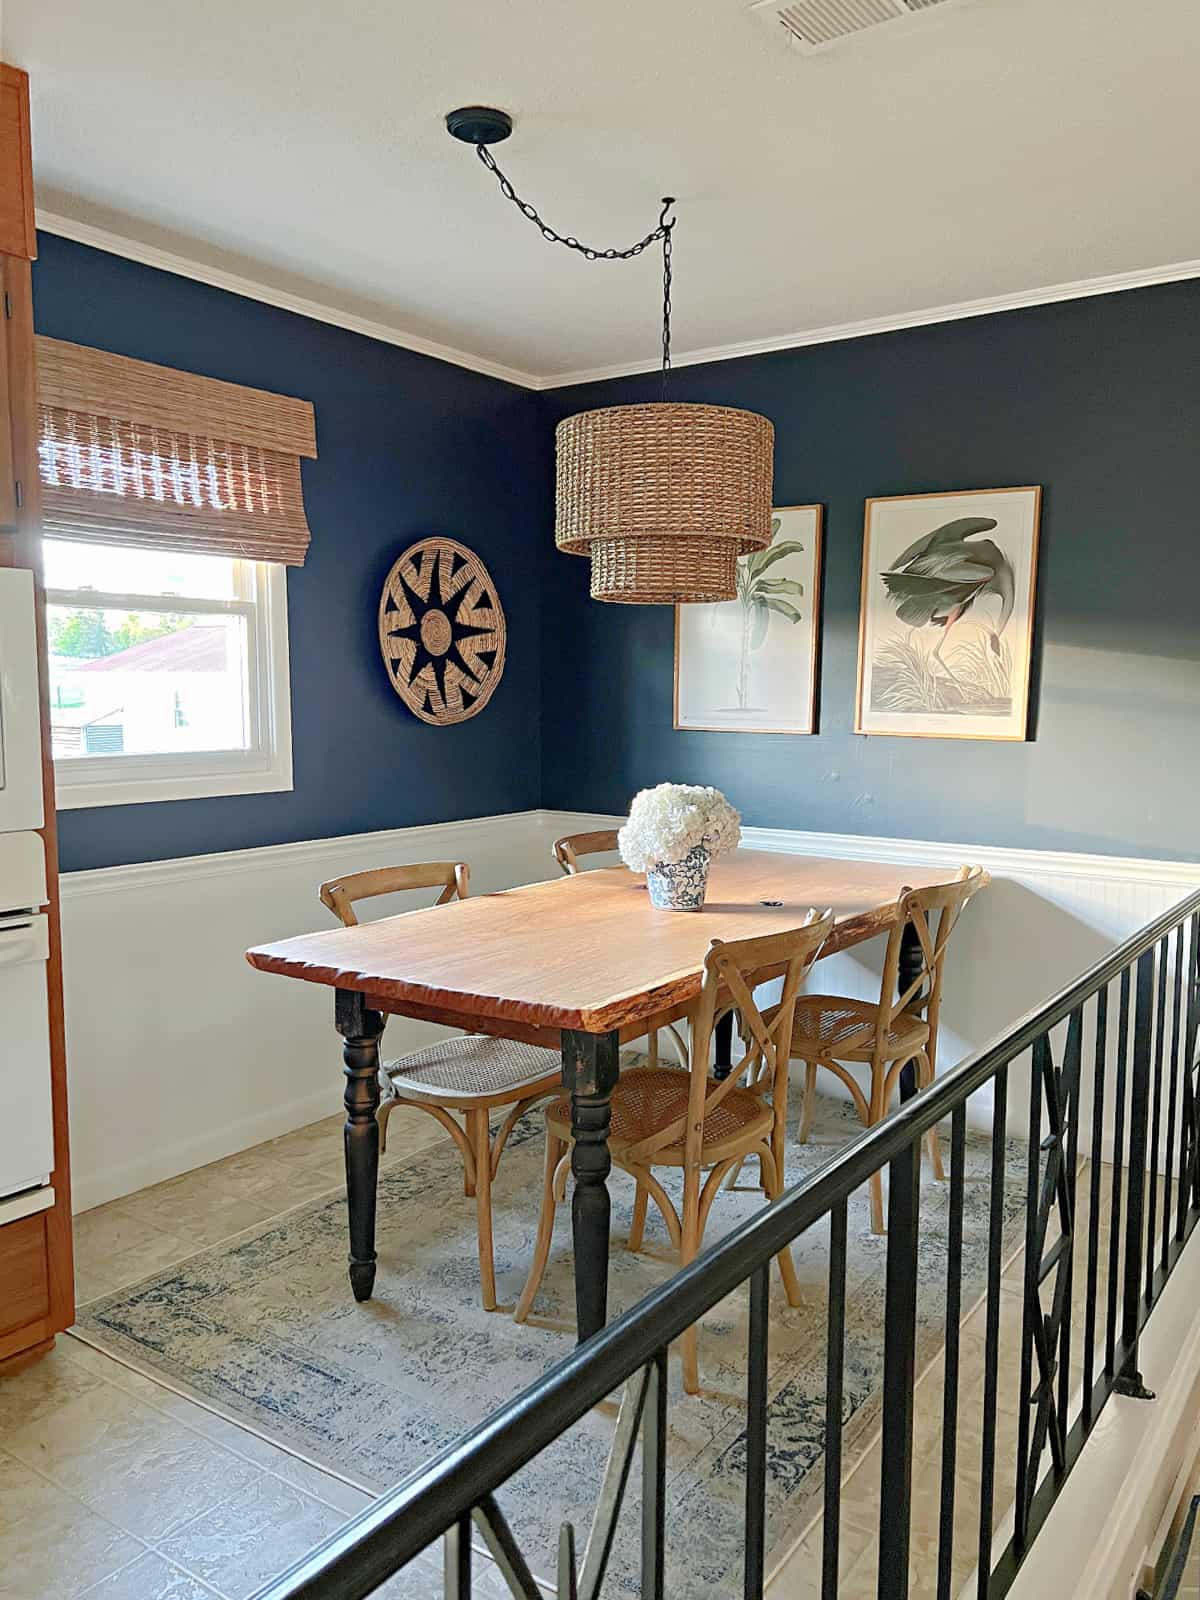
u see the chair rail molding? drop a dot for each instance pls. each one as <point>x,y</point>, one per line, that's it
<point>316,853</point>
<point>1000,860</point>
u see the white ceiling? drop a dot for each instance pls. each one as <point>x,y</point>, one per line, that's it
<point>994,149</point>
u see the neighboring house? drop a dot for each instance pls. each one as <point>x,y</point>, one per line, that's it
<point>180,692</point>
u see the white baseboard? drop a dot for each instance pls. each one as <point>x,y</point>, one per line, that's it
<point>198,1148</point>
<point>1100,1535</point>
<point>179,1053</point>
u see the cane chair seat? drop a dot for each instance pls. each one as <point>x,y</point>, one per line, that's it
<point>693,1121</point>
<point>472,1067</point>
<point>460,1081</point>
<point>901,1031</point>
<point>827,1024</point>
<point>651,1098</point>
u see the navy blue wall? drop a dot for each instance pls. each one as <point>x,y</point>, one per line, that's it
<point>408,447</point>
<point>1094,399</point>
<point>1098,400</point>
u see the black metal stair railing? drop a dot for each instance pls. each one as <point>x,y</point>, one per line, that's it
<point>1141,1181</point>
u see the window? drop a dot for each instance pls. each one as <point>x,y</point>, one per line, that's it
<point>168,674</point>
<point>172,506</point>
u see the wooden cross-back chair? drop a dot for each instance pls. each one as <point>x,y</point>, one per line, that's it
<point>451,877</point>
<point>832,1030</point>
<point>662,1117</point>
<point>567,852</point>
<point>468,1076</point>
<point>571,846</point>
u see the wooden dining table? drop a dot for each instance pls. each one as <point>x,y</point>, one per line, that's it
<point>583,964</point>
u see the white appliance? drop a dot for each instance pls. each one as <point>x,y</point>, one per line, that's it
<point>20,719</point>
<point>26,1113</point>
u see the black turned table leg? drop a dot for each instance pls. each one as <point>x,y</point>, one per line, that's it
<point>590,1068</point>
<point>911,959</point>
<point>360,1028</point>
<point>723,1051</point>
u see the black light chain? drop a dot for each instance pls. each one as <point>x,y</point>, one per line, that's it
<point>666,334</point>
<point>663,232</point>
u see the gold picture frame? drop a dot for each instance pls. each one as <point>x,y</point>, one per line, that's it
<point>946,609</point>
<point>737,667</point>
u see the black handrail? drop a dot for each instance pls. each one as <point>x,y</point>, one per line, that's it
<point>407,1519</point>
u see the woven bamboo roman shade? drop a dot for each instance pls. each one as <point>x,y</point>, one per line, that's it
<point>145,455</point>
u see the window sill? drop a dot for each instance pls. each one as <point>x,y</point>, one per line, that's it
<point>142,788</point>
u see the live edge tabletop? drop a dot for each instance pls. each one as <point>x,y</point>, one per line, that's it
<point>581,962</point>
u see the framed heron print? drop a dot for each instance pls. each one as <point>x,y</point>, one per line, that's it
<point>946,624</point>
<point>749,665</point>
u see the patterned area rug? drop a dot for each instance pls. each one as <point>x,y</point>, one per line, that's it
<point>264,1328</point>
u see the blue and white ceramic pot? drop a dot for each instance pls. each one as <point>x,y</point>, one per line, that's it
<point>680,885</point>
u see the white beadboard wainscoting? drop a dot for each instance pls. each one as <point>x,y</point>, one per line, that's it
<point>180,1053</point>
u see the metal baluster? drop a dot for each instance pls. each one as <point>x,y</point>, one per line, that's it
<point>1118,1156</point>
<point>456,1546</point>
<point>756,1435</point>
<point>1031,1303</point>
<point>1174,1068</point>
<point>567,1587</point>
<point>991,1349</point>
<point>498,1537</point>
<point>1189,1166</point>
<point>654,1481</point>
<point>1160,1036</point>
<point>1129,1381</point>
<point>612,1487</point>
<point>834,1372</point>
<point>954,1243</point>
<point>1068,1112</point>
<point>1095,1172</point>
<point>899,1363</point>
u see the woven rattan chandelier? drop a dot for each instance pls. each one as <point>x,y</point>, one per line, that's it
<point>663,497</point>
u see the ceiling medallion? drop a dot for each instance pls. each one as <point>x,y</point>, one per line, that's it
<point>442,631</point>
<point>663,497</point>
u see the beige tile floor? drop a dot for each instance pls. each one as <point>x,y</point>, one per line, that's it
<point>114,1487</point>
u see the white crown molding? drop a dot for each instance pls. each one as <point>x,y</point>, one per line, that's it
<point>1081,289</point>
<point>251,289</point>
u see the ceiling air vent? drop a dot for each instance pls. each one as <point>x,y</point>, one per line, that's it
<point>813,25</point>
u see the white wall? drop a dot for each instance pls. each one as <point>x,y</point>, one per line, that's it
<point>179,1052</point>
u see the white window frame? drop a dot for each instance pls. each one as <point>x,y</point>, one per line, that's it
<point>265,767</point>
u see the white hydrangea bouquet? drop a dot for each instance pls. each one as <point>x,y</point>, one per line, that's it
<point>672,835</point>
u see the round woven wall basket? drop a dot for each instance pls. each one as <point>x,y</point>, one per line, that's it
<point>442,631</point>
<point>664,498</point>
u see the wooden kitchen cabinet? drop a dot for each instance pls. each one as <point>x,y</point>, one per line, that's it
<point>27,1274</point>
<point>17,235</point>
<point>37,1279</point>
<point>8,478</point>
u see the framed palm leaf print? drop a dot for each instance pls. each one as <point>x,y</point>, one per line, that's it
<point>749,665</point>
<point>946,622</point>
